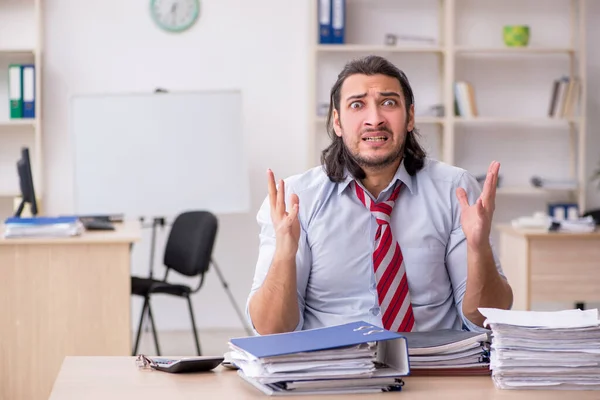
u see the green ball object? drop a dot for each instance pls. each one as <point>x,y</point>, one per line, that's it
<point>516,35</point>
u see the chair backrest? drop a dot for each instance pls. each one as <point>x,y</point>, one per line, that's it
<point>190,243</point>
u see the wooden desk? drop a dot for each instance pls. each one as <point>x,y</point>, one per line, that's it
<point>118,378</point>
<point>60,297</point>
<point>550,266</point>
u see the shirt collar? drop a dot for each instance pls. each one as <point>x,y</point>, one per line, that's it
<point>401,174</point>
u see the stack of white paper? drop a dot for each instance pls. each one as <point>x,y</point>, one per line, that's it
<point>586,224</point>
<point>347,366</point>
<point>545,350</point>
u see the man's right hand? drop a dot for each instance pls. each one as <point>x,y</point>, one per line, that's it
<point>286,224</point>
<point>274,306</point>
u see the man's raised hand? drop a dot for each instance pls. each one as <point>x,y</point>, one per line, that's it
<point>285,223</point>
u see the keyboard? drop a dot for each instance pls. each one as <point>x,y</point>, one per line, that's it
<point>97,225</point>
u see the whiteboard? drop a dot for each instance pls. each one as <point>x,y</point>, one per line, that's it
<point>159,154</point>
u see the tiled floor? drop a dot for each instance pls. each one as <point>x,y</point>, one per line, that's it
<point>181,343</point>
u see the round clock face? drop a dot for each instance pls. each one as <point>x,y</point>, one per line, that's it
<point>175,15</point>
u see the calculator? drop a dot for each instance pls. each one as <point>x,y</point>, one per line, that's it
<point>187,364</point>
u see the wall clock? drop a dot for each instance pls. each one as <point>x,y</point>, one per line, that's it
<point>175,15</point>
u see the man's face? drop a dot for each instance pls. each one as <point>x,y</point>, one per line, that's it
<point>372,120</point>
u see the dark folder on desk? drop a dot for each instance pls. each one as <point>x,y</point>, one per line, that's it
<point>449,352</point>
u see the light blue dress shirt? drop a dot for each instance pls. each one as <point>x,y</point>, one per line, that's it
<point>336,282</point>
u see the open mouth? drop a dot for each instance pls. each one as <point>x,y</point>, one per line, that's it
<point>375,139</point>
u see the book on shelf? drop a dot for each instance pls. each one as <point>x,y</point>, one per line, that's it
<point>350,358</point>
<point>465,104</point>
<point>564,97</point>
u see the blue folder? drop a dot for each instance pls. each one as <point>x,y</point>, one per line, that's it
<point>338,21</point>
<point>324,16</point>
<point>29,95</point>
<point>351,334</point>
<point>41,220</point>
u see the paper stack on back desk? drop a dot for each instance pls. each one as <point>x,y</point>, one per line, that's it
<point>448,352</point>
<point>545,350</point>
<point>349,358</point>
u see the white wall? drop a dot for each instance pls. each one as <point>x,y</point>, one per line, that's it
<point>261,47</point>
<point>593,100</point>
<point>111,46</point>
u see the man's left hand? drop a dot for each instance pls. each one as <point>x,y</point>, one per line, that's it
<point>476,219</point>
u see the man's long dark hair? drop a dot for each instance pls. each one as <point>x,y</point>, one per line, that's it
<point>336,157</point>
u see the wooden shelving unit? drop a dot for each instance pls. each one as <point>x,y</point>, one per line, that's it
<point>14,123</point>
<point>21,42</point>
<point>530,191</point>
<point>513,51</point>
<point>440,64</point>
<point>358,48</point>
<point>516,121</point>
<point>420,120</point>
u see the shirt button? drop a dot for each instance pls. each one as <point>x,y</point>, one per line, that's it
<point>375,311</point>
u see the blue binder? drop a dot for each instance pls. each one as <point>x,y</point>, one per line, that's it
<point>315,339</point>
<point>28,79</point>
<point>391,360</point>
<point>324,16</point>
<point>40,220</point>
<point>338,21</point>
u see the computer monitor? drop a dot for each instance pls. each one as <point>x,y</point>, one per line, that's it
<point>26,183</point>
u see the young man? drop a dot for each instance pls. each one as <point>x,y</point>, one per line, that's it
<point>380,232</point>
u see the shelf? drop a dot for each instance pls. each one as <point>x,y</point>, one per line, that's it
<point>465,37</point>
<point>6,194</point>
<point>513,50</point>
<point>17,52</point>
<point>429,120</point>
<point>17,122</point>
<point>515,121</point>
<point>530,191</point>
<point>22,39</point>
<point>361,48</point>
<point>466,50</point>
<point>419,120</point>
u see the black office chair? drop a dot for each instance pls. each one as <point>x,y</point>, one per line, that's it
<point>189,252</point>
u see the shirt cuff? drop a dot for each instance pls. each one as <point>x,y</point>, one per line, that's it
<point>248,318</point>
<point>470,326</point>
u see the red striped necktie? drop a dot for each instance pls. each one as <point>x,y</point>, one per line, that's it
<point>388,263</point>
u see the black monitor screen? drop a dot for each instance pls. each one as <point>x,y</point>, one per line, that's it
<point>26,183</point>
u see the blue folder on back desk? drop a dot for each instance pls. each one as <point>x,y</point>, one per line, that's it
<point>350,358</point>
<point>42,227</point>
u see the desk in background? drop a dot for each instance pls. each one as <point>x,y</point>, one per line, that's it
<point>60,297</point>
<point>550,266</point>
<point>118,378</point>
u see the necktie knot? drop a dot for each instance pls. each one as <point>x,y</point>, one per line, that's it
<point>382,211</point>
